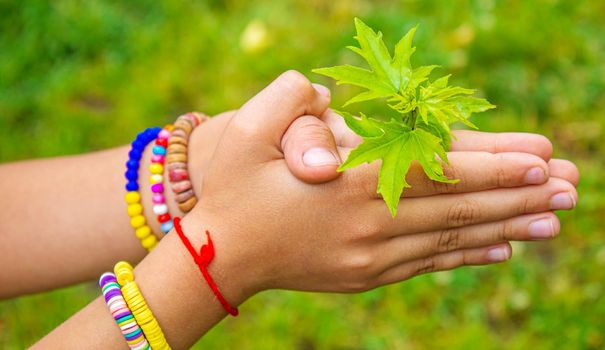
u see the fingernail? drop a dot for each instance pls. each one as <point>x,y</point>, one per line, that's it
<point>319,157</point>
<point>322,90</point>
<point>562,201</point>
<point>497,254</point>
<point>541,229</point>
<point>535,176</point>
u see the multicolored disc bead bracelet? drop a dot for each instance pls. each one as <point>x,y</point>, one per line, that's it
<point>176,159</point>
<point>121,313</point>
<point>138,307</point>
<point>160,209</point>
<point>133,197</point>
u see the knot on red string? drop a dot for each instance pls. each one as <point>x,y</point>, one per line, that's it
<point>203,260</point>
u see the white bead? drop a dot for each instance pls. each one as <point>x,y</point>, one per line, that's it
<point>156,179</point>
<point>160,209</point>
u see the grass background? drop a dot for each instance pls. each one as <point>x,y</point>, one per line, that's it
<point>77,76</point>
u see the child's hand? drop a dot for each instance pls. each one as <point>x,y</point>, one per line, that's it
<point>272,230</point>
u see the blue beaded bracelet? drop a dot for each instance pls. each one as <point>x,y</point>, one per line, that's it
<point>133,198</point>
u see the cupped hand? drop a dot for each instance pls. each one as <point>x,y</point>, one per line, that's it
<point>276,231</point>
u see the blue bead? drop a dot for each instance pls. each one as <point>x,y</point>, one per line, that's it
<point>131,174</point>
<point>132,186</point>
<point>132,164</point>
<point>138,144</point>
<point>159,150</point>
<point>166,226</point>
<point>135,154</point>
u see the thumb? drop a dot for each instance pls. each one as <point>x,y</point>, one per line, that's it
<point>268,115</point>
<point>310,150</point>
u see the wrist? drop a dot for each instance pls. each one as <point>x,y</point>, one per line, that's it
<point>234,274</point>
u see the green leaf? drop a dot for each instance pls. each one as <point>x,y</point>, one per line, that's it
<point>398,146</point>
<point>361,126</point>
<point>425,110</point>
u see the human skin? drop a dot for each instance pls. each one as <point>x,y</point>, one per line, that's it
<point>273,231</point>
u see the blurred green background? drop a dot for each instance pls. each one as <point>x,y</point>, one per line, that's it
<point>77,76</point>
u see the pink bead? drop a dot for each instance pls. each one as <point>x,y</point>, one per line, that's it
<point>158,198</point>
<point>178,174</point>
<point>164,134</point>
<point>181,186</point>
<point>157,188</point>
<point>157,158</point>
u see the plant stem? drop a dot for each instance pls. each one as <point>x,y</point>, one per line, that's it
<point>411,119</point>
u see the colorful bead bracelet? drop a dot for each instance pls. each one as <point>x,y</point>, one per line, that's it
<point>121,313</point>
<point>133,198</point>
<point>176,159</point>
<point>138,307</point>
<point>160,209</point>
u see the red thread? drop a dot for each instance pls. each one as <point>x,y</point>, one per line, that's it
<point>203,259</point>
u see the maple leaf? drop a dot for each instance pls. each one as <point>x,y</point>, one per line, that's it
<point>397,145</point>
<point>421,131</point>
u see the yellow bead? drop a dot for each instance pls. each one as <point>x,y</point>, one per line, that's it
<point>149,242</point>
<point>156,179</point>
<point>156,168</point>
<point>142,232</point>
<point>135,209</point>
<point>123,272</point>
<point>132,197</point>
<point>137,221</point>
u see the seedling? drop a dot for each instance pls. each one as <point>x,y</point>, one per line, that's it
<point>420,129</point>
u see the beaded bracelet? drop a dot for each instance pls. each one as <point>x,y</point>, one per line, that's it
<point>176,159</point>
<point>157,179</point>
<point>133,198</point>
<point>121,313</point>
<point>138,306</point>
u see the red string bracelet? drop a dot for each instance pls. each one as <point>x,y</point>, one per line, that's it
<point>203,259</point>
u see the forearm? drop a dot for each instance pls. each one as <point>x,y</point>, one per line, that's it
<point>175,291</point>
<point>64,219</point>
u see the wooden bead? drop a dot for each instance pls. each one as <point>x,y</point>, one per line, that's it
<point>178,140</point>
<point>179,133</point>
<point>179,157</point>
<point>177,165</point>
<point>184,125</point>
<point>188,205</point>
<point>181,186</point>
<point>184,196</point>
<point>177,148</point>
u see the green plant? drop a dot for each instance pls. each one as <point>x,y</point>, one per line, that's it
<point>425,110</point>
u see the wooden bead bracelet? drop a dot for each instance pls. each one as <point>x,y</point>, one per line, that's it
<point>176,159</point>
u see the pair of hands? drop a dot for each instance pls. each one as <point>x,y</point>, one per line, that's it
<point>282,217</point>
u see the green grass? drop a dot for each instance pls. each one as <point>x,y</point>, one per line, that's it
<point>74,75</point>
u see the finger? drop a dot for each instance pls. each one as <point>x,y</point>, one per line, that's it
<point>310,150</point>
<point>467,140</point>
<point>446,261</point>
<point>565,170</point>
<point>344,136</point>
<point>476,171</point>
<point>266,116</point>
<point>535,227</point>
<point>442,212</point>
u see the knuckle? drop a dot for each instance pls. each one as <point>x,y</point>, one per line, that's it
<point>450,172</point>
<point>448,240</point>
<point>295,82</point>
<point>356,286</point>
<point>244,129</point>
<point>360,263</point>
<point>501,176</point>
<point>425,266</point>
<point>503,231</point>
<point>463,213</point>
